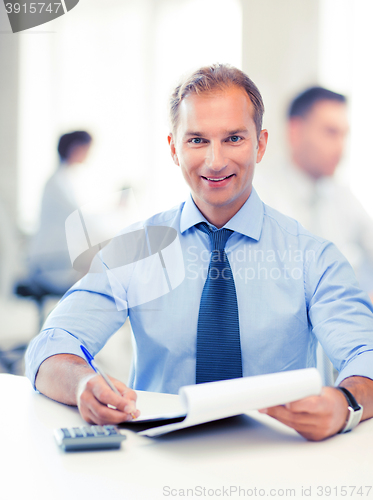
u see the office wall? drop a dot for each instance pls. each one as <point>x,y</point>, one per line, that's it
<point>280,53</point>
<point>110,69</point>
<point>9,122</point>
<point>9,71</point>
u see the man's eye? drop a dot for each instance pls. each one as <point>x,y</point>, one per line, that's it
<point>235,138</point>
<point>196,140</point>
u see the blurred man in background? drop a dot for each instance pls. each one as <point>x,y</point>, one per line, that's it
<point>50,266</point>
<point>306,187</point>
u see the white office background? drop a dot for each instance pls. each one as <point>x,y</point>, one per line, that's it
<point>346,46</point>
<point>111,72</point>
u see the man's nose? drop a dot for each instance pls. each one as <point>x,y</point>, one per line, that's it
<point>215,156</point>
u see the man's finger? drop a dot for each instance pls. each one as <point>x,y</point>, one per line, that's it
<point>311,404</point>
<point>102,392</point>
<point>99,403</point>
<point>289,417</point>
<point>309,426</point>
<point>102,414</point>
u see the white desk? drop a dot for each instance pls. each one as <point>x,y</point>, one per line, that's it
<point>246,451</point>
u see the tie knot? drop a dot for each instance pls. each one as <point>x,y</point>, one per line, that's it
<point>218,238</point>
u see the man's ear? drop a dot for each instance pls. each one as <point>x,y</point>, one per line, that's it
<point>171,143</point>
<point>262,145</point>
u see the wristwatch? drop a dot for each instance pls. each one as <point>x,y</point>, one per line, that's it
<point>355,411</point>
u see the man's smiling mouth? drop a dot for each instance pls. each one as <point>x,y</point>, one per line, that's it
<point>217,179</point>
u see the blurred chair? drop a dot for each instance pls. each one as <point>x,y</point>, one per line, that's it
<point>19,323</point>
<point>38,295</point>
<point>12,343</point>
<point>11,358</point>
<point>14,346</point>
<point>9,261</point>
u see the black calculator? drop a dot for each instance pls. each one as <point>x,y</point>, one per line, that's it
<point>93,437</point>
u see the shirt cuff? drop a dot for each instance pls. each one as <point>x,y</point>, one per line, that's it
<point>361,366</point>
<point>46,344</point>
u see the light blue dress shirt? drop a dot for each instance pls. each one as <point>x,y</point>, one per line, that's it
<point>293,289</point>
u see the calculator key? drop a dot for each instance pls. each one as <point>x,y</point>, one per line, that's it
<point>98,430</point>
<point>89,432</point>
<point>77,432</point>
<point>66,433</point>
<point>111,431</point>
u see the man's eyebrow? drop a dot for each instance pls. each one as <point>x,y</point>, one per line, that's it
<point>237,131</point>
<point>194,134</point>
<point>243,130</point>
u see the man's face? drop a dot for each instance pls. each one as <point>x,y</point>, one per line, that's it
<point>216,147</point>
<point>317,141</point>
<point>79,153</point>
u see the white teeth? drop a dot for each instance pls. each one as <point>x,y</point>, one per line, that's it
<point>209,178</point>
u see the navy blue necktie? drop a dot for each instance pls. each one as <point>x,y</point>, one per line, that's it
<point>218,331</point>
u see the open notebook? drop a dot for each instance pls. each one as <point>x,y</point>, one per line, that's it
<point>198,404</point>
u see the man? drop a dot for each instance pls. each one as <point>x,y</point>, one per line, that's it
<point>289,286</point>
<point>306,187</point>
<point>50,269</point>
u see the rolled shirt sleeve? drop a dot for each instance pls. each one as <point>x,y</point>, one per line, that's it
<point>88,314</point>
<point>340,313</point>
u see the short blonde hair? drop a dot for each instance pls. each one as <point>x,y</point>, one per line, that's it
<point>216,76</point>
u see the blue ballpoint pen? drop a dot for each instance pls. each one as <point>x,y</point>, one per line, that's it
<point>90,360</point>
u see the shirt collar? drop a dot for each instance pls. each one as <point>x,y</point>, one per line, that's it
<point>247,221</point>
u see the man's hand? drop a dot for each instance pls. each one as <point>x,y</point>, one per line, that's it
<point>69,379</point>
<point>315,417</point>
<point>94,396</point>
<point>319,417</point>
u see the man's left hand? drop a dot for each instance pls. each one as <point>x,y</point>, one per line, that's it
<point>315,417</point>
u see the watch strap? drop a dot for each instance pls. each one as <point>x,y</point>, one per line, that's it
<point>355,411</point>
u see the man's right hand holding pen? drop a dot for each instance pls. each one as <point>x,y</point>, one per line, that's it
<point>129,408</point>
<point>78,385</point>
<point>99,404</point>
